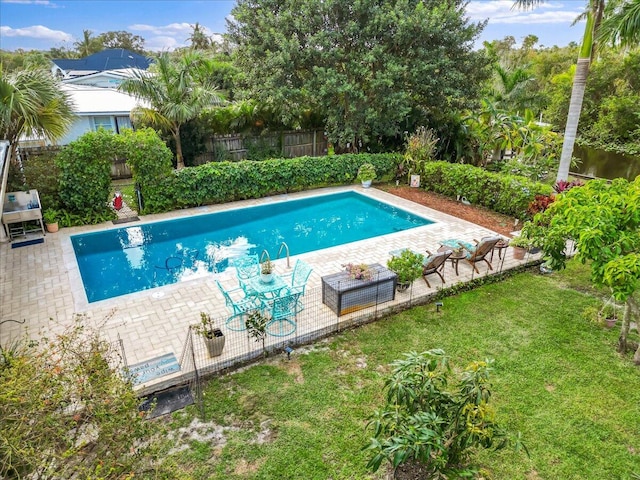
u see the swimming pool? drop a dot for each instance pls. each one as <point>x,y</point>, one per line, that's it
<point>130,259</point>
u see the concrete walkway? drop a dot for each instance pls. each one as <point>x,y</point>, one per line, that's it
<point>41,284</point>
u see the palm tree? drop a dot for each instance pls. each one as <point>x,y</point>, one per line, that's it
<point>593,16</point>
<point>509,89</point>
<point>623,26</point>
<point>32,104</point>
<point>176,90</point>
<point>198,39</point>
<point>88,44</point>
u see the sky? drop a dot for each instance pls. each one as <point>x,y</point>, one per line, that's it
<point>166,24</point>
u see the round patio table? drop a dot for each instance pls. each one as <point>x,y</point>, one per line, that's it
<point>455,257</point>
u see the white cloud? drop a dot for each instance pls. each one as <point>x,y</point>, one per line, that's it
<point>46,3</point>
<point>161,43</point>
<point>565,18</point>
<point>172,36</point>
<point>38,32</point>
<point>502,11</point>
<point>171,29</point>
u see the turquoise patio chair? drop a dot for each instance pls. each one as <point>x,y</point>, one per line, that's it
<point>246,267</point>
<point>239,306</point>
<point>282,311</point>
<point>298,279</point>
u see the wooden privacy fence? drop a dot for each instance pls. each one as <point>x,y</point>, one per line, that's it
<point>234,147</point>
<point>119,167</point>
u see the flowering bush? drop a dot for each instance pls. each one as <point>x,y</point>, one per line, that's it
<point>359,271</point>
<point>563,185</point>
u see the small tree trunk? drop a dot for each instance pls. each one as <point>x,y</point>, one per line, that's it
<point>179,159</point>
<point>624,330</point>
<point>631,310</point>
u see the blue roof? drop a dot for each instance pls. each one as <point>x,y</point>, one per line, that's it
<point>111,59</point>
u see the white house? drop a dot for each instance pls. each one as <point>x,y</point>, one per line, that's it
<point>97,107</point>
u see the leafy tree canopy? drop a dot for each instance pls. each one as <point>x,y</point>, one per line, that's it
<point>122,39</point>
<point>32,104</point>
<point>604,222</point>
<point>366,65</point>
<point>177,90</point>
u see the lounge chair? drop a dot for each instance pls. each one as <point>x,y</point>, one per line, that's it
<point>480,251</point>
<point>434,263</point>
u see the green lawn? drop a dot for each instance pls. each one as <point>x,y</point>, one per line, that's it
<point>557,379</point>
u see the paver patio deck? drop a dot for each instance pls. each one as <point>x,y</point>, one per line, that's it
<point>41,283</point>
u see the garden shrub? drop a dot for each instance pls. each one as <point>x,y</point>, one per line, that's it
<point>85,172</point>
<point>68,412</point>
<point>507,194</point>
<point>429,420</point>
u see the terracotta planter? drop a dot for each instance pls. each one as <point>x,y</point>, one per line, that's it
<point>52,227</point>
<point>519,253</point>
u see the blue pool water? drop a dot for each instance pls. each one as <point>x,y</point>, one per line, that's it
<point>129,259</point>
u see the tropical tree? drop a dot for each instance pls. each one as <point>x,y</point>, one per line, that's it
<point>32,104</point>
<point>433,422</point>
<point>622,25</point>
<point>365,66</point>
<point>604,222</point>
<point>509,87</point>
<point>122,39</point>
<point>176,91</point>
<point>88,45</point>
<point>198,38</point>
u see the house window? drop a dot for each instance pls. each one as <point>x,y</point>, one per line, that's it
<point>104,122</point>
<point>123,122</point>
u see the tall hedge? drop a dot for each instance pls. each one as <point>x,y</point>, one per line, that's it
<point>508,194</point>
<point>85,172</point>
<point>150,161</point>
<point>221,182</point>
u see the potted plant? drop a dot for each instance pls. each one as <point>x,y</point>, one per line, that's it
<point>50,218</point>
<point>408,267</point>
<point>608,314</point>
<point>521,245</point>
<point>266,271</point>
<point>213,337</point>
<point>359,271</point>
<point>366,174</point>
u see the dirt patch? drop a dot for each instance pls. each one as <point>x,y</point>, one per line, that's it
<point>243,467</point>
<point>292,367</point>
<point>502,224</point>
